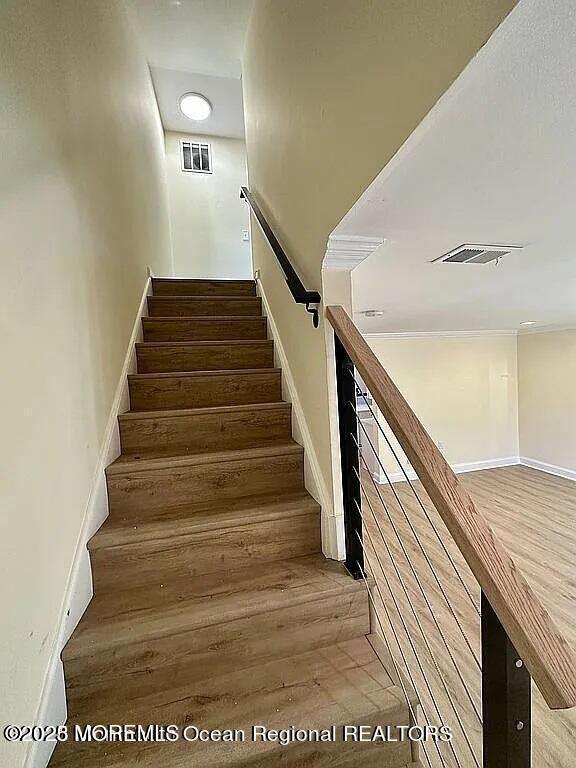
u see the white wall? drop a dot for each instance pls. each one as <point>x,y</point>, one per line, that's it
<point>463,389</point>
<point>83,211</point>
<point>489,398</point>
<point>547,398</point>
<point>206,214</point>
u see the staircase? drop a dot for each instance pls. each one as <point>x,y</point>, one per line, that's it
<point>213,604</point>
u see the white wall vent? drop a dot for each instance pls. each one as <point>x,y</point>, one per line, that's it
<point>196,156</point>
<point>476,254</point>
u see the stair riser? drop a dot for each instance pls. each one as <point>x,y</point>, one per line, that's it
<point>207,551</point>
<point>178,329</point>
<point>338,754</point>
<point>146,492</point>
<point>269,755</point>
<point>217,649</point>
<point>228,430</point>
<point>311,754</point>
<point>205,358</point>
<point>165,306</point>
<point>204,391</point>
<point>203,287</point>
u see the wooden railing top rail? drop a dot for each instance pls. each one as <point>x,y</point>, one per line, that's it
<point>547,655</point>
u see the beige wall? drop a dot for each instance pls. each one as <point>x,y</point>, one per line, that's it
<point>547,397</point>
<point>206,214</point>
<point>83,212</point>
<point>463,390</point>
<point>332,88</point>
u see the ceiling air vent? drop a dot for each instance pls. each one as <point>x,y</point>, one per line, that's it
<point>476,254</point>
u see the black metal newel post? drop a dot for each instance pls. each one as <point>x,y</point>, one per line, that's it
<point>506,698</point>
<point>349,460</point>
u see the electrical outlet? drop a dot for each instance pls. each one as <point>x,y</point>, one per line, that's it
<point>441,445</point>
<point>245,236</point>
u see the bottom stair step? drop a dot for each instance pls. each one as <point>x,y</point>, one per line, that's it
<point>337,685</point>
<point>159,635</point>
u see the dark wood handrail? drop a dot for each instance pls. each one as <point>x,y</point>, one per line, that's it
<point>297,289</point>
<point>547,655</point>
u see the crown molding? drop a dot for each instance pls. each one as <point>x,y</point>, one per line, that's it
<point>533,330</point>
<point>345,252</point>
<point>437,335</point>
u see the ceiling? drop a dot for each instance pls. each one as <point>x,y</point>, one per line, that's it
<point>495,163</point>
<point>196,45</point>
<point>224,93</point>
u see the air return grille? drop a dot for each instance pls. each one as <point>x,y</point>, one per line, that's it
<point>476,254</point>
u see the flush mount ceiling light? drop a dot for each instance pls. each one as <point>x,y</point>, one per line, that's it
<point>372,312</point>
<point>195,106</point>
<point>528,322</point>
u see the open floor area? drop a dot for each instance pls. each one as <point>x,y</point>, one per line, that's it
<point>534,515</point>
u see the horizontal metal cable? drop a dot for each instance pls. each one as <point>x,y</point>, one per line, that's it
<point>414,612</point>
<point>416,537</point>
<point>418,582</point>
<point>439,715</point>
<point>434,703</point>
<point>397,670</point>
<point>473,600</point>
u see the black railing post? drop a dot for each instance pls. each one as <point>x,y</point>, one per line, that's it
<point>350,460</point>
<point>506,698</point>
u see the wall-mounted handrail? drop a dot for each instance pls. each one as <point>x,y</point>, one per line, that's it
<point>547,655</point>
<point>297,289</point>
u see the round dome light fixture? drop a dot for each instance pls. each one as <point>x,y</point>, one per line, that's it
<point>195,106</point>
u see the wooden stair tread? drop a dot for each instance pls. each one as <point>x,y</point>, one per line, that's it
<point>205,343</point>
<point>192,389</point>
<point>189,305</point>
<point>163,286</point>
<point>202,297</point>
<point>138,415</point>
<point>200,280</point>
<point>201,318</point>
<point>335,685</point>
<point>206,429</point>
<point>181,603</point>
<point>177,356</point>
<point>177,521</point>
<point>192,374</point>
<point>133,463</point>
<point>199,327</point>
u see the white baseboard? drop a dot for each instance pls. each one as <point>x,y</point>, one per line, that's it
<point>472,466</point>
<point>313,478</point>
<point>551,469</point>
<point>52,706</point>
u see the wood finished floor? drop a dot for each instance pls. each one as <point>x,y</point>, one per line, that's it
<point>534,514</point>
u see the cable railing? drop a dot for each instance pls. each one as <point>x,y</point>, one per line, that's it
<point>463,630</point>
